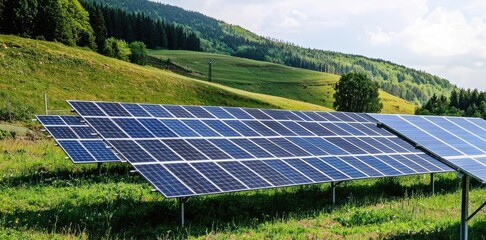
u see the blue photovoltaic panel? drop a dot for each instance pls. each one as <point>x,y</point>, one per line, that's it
<point>326,168</point>
<point>157,128</point>
<point>201,128</point>
<point>85,132</point>
<point>77,139</point>
<point>241,128</point>
<point>179,128</point>
<point>281,115</point>
<point>156,111</point>
<point>198,112</point>
<point>106,128</point>
<point>256,113</point>
<point>178,111</point>
<point>61,132</point>
<point>87,109</point>
<point>131,150</point>
<point>76,151</point>
<point>288,171</point>
<point>100,151</point>
<point>204,150</point>
<point>135,110</point>
<point>51,120</point>
<point>308,170</point>
<point>159,150</point>
<point>133,128</point>
<point>260,128</point>
<point>197,182</point>
<point>231,149</point>
<point>268,173</point>
<point>457,141</point>
<point>113,109</point>
<point>219,177</point>
<point>245,175</point>
<point>72,121</point>
<point>219,112</point>
<point>164,181</point>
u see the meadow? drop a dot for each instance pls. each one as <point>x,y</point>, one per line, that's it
<point>44,196</point>
<point>264,77</point>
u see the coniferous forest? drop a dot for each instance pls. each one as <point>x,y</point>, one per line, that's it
<point>90,25</point>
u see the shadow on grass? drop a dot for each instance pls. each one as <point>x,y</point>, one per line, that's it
<point>132,217</point>
<point>113,171</point>
<point>477,230</point>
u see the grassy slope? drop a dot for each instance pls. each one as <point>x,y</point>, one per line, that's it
<point>263,77</point>
<point>29,68</point>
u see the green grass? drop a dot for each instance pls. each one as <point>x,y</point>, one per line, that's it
<point>43,195</point>
<point>264,77</point>
<point>31,68</point>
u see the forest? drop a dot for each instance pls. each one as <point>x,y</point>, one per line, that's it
<point>220,37</point>
<point>90,25</point>
<point>461,102</point>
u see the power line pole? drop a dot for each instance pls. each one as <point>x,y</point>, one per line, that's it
<point>210,72</point>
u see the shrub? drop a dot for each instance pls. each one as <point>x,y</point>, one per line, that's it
<point>138,53</point>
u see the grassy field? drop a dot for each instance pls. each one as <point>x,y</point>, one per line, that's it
<point>268,78</point>
<point>31,68</point>
<point>44,196</point>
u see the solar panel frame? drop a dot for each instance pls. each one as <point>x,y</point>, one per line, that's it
<point>257,164</point>
<point>404,126</point>
<point>74,124</point>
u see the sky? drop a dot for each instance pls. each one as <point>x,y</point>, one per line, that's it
<point>444,37</point>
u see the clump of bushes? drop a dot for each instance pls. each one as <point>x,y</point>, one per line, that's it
<point>15,112</point>
<point>6,134</point>
<point>135,52</point>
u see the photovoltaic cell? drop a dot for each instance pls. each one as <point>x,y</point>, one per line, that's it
<point>204,150</point>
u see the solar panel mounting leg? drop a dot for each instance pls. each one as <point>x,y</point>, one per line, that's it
<point>333,189</point>
<point>464,207</point>
<point>432,183</point>
<point>182,201</point>
<point>99,169</point>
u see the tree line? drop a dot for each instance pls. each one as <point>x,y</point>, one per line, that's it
<point>461,102</point>
<point>90,25</point>
<point>219,37</point>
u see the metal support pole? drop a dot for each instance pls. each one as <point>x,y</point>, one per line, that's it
<point>432,183</point>
<point>181,201</point>
<point>45,103</point>
<point>475,212</point>
<point>9,109</point>
<point>464,207</point>
<point>210,71</point>
<point>333,189</point>
<point>99,168</point>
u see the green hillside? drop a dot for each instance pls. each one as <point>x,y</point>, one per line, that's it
<point>220,37</point>
<point>31,68</point>
<point>264,77</point>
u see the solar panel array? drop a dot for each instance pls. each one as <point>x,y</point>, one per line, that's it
<point>459,141</point>
<point>78,140</point>
<point>196,150</point>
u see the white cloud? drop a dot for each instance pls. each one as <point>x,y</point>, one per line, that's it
<point>418,33</point>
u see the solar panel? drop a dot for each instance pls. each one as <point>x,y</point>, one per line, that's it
<point>460,142</point>
<point>205,150</point>
<point>78,140</point>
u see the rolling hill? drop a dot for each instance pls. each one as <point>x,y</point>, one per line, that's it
<point>266,78</point>
<point>221,37</point>
<point>31,68</point>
